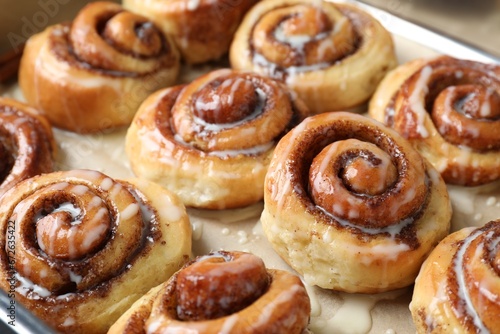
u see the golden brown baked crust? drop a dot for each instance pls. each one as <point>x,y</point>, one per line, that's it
<point>332,55</point>
<point>458,286</point>
<point>93,74</point>
<point>449,110</point>
<point>210,142</point>
<point>201,29</point>
<point>76,247</point>
<point>223,292</point>
<point>351,206</point>
<point>27,146</point>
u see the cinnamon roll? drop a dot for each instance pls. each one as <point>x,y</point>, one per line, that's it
<point>332,55</point>
<point>351,206</point>
<point>223,292</point>
<point>201,29</point>
<point>211,141</point>
<point>77,248</point>
<point>92,74</point>
<point>449,109</point>
<point>458,286</point>
<point>27,145</point>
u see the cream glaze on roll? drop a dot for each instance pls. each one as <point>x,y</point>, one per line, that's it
<point>93,73</point>
<point>201,29</point>
<point>368,233</point>
<point>449,109</point>
<point>84,242</point>
<point>211,141</point>
<point>332,55</point>
<point>458,286</point>
<point>222,292</point>
<point>27,145</point>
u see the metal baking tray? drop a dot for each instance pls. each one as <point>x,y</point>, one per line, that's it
<point>25,322</point>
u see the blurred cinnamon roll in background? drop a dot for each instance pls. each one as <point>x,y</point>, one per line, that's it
<point>211,141</point>
<point>332,55</point>
<point>449,109</point>
<point>78,247</point>
<point>201,29</point>
<point>27,145</point>
<point>93,73</point>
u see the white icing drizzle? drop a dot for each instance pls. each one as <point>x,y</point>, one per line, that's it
<point>313,298</point>
<point>470,129</point>
<point>354,316</point>
<point>387,252</point>
<point>297,41</point>
<point>192,4</point>
<point>245,262</point>
<point>242,237</point>
<point>25,286</point>
<point>106,184</point>
<point>79,189</point>
<point>75,277</point>
<point>43,273</point>
<point>235,84</point>
<point>197,227</point>
<point>155,325</point>
<point>416,99</point>
<point>256,150</point>
<point>70,208</point>
<point>337,148</point>
<point>392,230</point>
<point>169,210</point>
<point>66,296</point>
<point>94,234</point>
<point>492,200</point>
<point>274,70</point>
<point>211,127</point>
<point>69,321</point>
<point>463,292</point>
<point>229,324</point>
<point>258,231</point>
<point>56,225</point>
<point>131,210</point>
<point>26,267</point>
<point>283,298</point>
<point>278,189</point>
<point>485,109</point>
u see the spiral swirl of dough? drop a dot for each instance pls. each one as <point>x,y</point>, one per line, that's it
<point>222,292</point>
<point>346,196</point>
<point>80,238</point>
<point>27,146</point>
<point>332,55</point>
<point>211,141</point>
<point>449,109</point>
<point>92,74</point>
<point>201,29</point>
<point>458,284</point>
